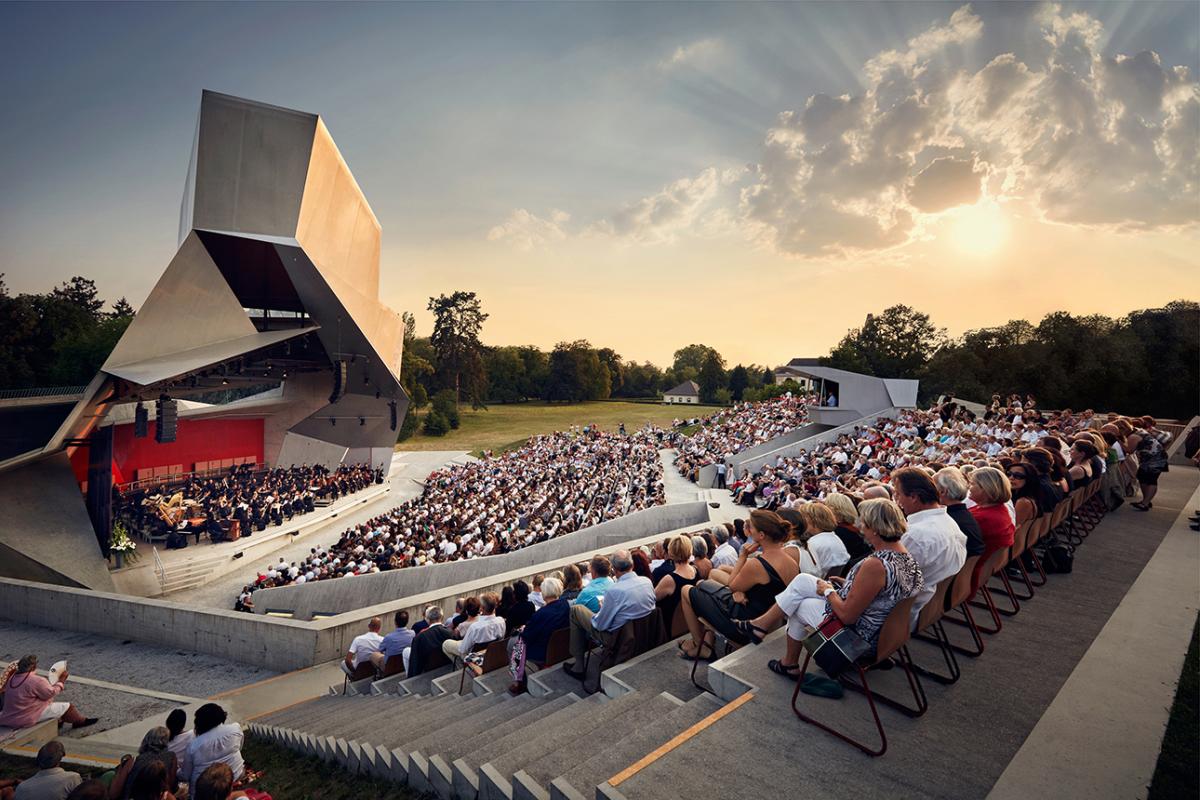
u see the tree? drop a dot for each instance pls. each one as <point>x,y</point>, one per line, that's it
<point>895,344</point>
<point>457,322</point>
<point>577,374</point>
<point>436,424</point>
<point>409,426</point>
<point>739,381</point>
<point>692,357</point>
<point>768,376</point>
<point>446,406</point>
<point>506,374</point>
<point>81,293</point>
<point>616,370</point>
<point>121,308</point>
<point>712,376</point>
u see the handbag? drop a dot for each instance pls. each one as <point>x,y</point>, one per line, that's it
<point>834,647</point>
<point>1059,558</point>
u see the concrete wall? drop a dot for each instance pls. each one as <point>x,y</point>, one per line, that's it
<point>346,594</point>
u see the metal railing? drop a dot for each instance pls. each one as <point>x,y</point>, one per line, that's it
<point>41,391</point>
<point>160,570</point>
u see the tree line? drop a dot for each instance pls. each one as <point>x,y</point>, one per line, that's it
<point>1146,362</point>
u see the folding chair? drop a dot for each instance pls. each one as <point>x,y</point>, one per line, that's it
<point>930,619</point>
<point>1019,546</point>
<point>558,649</point>
<point>495,656</point>
<point>893,638</point>
<point>364,670</point>
<point>994,563</point>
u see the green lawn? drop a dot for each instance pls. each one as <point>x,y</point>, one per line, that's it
<point>1175,775</point>
<point>501,427</point>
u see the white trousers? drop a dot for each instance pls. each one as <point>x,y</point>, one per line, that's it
<point>803,604</point>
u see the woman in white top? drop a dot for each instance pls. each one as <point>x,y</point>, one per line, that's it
<point>216,741</point>
<point>821,550</point>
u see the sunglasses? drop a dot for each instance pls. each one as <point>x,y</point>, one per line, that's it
<point>1020,475</point>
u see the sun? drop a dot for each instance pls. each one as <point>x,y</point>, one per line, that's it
<point>978,230</point>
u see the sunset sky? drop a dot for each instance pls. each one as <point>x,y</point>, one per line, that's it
<point>756,177</point>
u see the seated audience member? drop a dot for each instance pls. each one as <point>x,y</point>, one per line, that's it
<point>661,564</point>
<point>180,739</point>
<point>726,554</point>
<point>572,583</point>
<point>846,529</point>
<point>215,784</point>
<point>535,636</point>
<point>422,623</point>
<point>1081,471</point>
<point>29,699</point>
<point>669,589</point>
<point>990,491</point>
<point>630,597</point>
<point>364,646</point>
<point>523,608</point>
<point>216,742</point>
<point>822,543</point>
<point>426,643</point>
<point>462,623</point>
<point>151,783</point>
<point>91,789</point>
<point>863,601</point>
<point>153,754</point>
<point>1026,493</point>
<point>395,643</point>
<point>535,596</point>
<point>641,563</point>
<point>952,489</point>
<point>600,568</point>
<point>700,557</point>
<point>507,598</point>
<point>763,570</point>
<point>51,781</point>
<point>486,627</point>
<point>933,539</point>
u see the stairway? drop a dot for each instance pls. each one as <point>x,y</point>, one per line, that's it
<point>190,573</point>
<point>553,743</point>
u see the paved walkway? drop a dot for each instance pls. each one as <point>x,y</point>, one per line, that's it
<point>408,472</point>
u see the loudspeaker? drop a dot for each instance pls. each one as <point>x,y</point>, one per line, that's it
<point>168,419</point>
<point>339,381</point>
<point>141,421</point>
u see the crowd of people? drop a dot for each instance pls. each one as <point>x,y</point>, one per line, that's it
<point>553,485</point>
<point>728,432</point>
<point>237,503</point>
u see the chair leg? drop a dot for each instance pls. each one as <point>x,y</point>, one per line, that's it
<point>870,700</point>
<point>1006,591</point>
<point>1019,565</point>
<point>990,606</point>
<point>943,642</point>
<point>914,685</point>
<point>968,622</point>
<point>1037,564</point>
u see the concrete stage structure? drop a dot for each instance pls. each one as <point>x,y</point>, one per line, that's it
<point>274,291</point>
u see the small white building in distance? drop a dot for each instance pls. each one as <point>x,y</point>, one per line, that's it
<point>686,392</point>
<point>793,371</point>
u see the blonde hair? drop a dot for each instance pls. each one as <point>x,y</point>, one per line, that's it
<point>818,516</point>
<point>843,508</point>
<point>993,483</point>
<point>883,517</point>
<point>679,549</point>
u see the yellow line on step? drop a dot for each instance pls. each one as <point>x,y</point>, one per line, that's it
<point>679,739</point>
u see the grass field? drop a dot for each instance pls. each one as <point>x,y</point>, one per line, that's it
<point>1175,775</point>
<point>502,427</point>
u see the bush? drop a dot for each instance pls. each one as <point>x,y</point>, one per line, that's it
<point>409,426</point>
<point>436,423</point>
<point>420,397</point>
<point>722,397</point>
<point>445,403</point>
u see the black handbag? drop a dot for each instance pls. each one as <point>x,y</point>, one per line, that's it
<point>1059,558</point>
<point>835,647</point>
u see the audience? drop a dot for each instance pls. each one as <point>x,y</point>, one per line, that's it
<point>155,766</point>
<point>395,643</point>
<point>216,742</point>
<point>630,597</point>
<point>743,425</point>
<point>668,591</point>
<point>485,627</point>
<point>364,646</point>
<point>933,538</point>
<point>600,568</point>
<point>952,489</point>
<point>51,781</point>
<point>180,739</point>
<point>429,640</point>
<point>531,641</point>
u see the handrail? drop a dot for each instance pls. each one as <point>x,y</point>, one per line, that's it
<point>40,391</point>
<point>160,571</point>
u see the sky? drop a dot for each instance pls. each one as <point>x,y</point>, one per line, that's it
<point>753,176</point>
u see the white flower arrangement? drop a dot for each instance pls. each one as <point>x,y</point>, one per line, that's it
<point>119,542</point>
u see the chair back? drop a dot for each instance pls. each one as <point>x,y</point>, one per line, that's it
<point>1041,526</point>
<point>678,623</point>
<point>394,665</point>
<point>1020,539</point>
<point>936,606</point>
<point>894,633</point>
<point>993,561</point>
<point>636,637</point>
<point>364,670</point>
<point>558,648</point>
<point>961,591</point>
<point>495,655</point>
<point>1060,512</point>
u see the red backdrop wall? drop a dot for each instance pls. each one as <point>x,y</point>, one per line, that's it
<point>195,440</point>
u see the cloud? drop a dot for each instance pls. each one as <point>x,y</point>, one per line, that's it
<point>660,216</point>
<point>526,231</point>
<point>1088,139</point>
<point>694,53</point>
<point>945,183</point>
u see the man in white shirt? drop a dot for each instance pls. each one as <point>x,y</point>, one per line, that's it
<point>51,781</point>
<point>726,555</point>
<point>364,645</point>
<point>487,627</point>
<point>933,539</point>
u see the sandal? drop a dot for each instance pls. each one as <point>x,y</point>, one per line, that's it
<point>786,670</point>
<point>699,654</point>
<point>1142,506</point>
<point>747,628</point>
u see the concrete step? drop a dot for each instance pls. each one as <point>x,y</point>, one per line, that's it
<point>470,755</point>
<point>578,745</point>
<point>367,721</point>
<point>290,712</point>
<point>317,716</point>
<point>444,710</point>
<point>423,683</point>
<point>581,780</point>
<point>496,708</point>
<point>657,670</point>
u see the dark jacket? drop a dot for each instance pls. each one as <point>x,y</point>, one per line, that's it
<point>541,625</point>
<point>967,524</point>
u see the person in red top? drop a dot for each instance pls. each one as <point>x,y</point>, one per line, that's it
<point>29,699</point>
<point>991,492</point>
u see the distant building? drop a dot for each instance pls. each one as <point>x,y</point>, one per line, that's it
<point>794,370</point>
<point>686,392</point>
